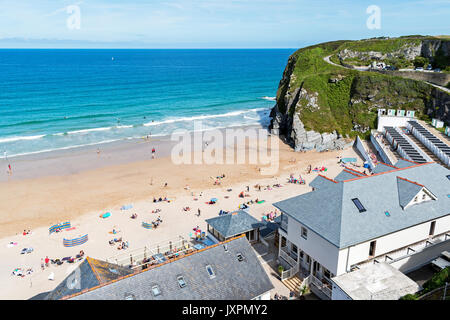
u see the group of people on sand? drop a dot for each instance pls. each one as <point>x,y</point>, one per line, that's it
<point>122,244</point>
<point>45,263</point>
<point>160,199</point>
<point>157,222</point>
<point>22,272</point>
<point>26,232</point>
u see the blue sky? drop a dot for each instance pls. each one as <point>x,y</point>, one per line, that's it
<point>212,23</point>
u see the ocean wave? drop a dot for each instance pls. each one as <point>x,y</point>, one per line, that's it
<point>211,116</point>
<point>62,148</point>
<point>269,98</point>
<point>13,139</point>
<point>244,113</point>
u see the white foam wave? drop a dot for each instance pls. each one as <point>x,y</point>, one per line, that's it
<point>12,139</point>
<point>202,117</point>
<point>269,98</point>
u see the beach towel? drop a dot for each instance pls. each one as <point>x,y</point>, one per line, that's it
<point>126,207</point>
<point>105,215</point>
<point>262,201</point>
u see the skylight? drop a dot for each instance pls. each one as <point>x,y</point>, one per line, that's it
<point>181,282</point>
<point>211,273</point>
<point>155,290</point>
<point>129,296</point>
<point>359,205</point>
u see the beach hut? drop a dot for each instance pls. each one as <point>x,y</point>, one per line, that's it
<point>437,123</point>
<point>401,113</point>
<point>391,112</point>
<point>381,112</point>
<point>410,113</point>
<point>232,225</point>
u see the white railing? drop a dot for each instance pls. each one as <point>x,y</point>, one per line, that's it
<point>324,288</point>
<point>405,252</point>
<point>287,274</point>
<point>287,257</point>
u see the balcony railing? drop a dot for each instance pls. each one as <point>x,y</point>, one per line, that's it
<point>323,287</point>
<point>404,252</point>
<point>286,256</point>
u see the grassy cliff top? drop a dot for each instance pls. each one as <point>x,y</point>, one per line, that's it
<point>354,99</point>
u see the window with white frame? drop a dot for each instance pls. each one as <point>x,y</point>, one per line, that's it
<point>304,233</point>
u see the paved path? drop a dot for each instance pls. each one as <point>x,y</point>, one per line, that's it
<point>327,60</point>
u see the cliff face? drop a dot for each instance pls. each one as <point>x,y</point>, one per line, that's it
<point>320,106</point>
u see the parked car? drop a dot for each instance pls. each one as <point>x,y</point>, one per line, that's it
<point>429,67</point>
<point>441,262</point>
<point>437,70</point>
<point>419,69</point>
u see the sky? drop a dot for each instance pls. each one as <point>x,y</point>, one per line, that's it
<point>211,23</point>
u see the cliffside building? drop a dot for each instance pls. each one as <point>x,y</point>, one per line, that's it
<point>400,216</point>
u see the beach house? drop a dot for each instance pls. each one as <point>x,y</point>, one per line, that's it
<point>234,224</point>
<point>229,270</point>
<point>400,216</point>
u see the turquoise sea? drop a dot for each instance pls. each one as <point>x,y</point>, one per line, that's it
<point>62,99</point>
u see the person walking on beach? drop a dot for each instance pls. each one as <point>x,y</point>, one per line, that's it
<point>153,153</point>
<point>47,260</point>
<point>198,215</point>
<point>9,169</point>
<point>98,151</point>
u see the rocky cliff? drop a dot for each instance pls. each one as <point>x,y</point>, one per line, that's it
<point>322,106</point>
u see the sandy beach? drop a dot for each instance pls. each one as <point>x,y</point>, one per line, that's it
<point>79,185</point>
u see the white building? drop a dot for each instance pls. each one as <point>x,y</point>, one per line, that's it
<point>400,216</point>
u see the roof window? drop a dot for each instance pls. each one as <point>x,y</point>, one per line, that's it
<point>155,290</point>
<point>210,271</point>
<point>181,281</point>
<point>130,296</point>
<point>359,205</point>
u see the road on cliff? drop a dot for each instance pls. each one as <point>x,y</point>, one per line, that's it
<point>327,60</point>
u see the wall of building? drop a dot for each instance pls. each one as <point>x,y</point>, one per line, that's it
<point>391,121</point>
<point>338,294</point>
<point>265,296</point>
<point>362,150</point>
<point>393,241</point>
<point>380,149</point>
<point>315,246</point>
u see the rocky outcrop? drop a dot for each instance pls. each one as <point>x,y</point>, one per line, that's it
<point>290,127</point>
<point>320,105</point>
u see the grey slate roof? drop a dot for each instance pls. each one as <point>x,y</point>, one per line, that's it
<point>381,167</point>
<point>345,175</point>
<point>330,212</point>
<point>235,223</point>
<point>404,163</point>
<point>233,280</point>
<point>406,191</point>
<point>319,182</point>
<point>90,273</point>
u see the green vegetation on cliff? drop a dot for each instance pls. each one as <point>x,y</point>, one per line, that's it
<point>344,100</point>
